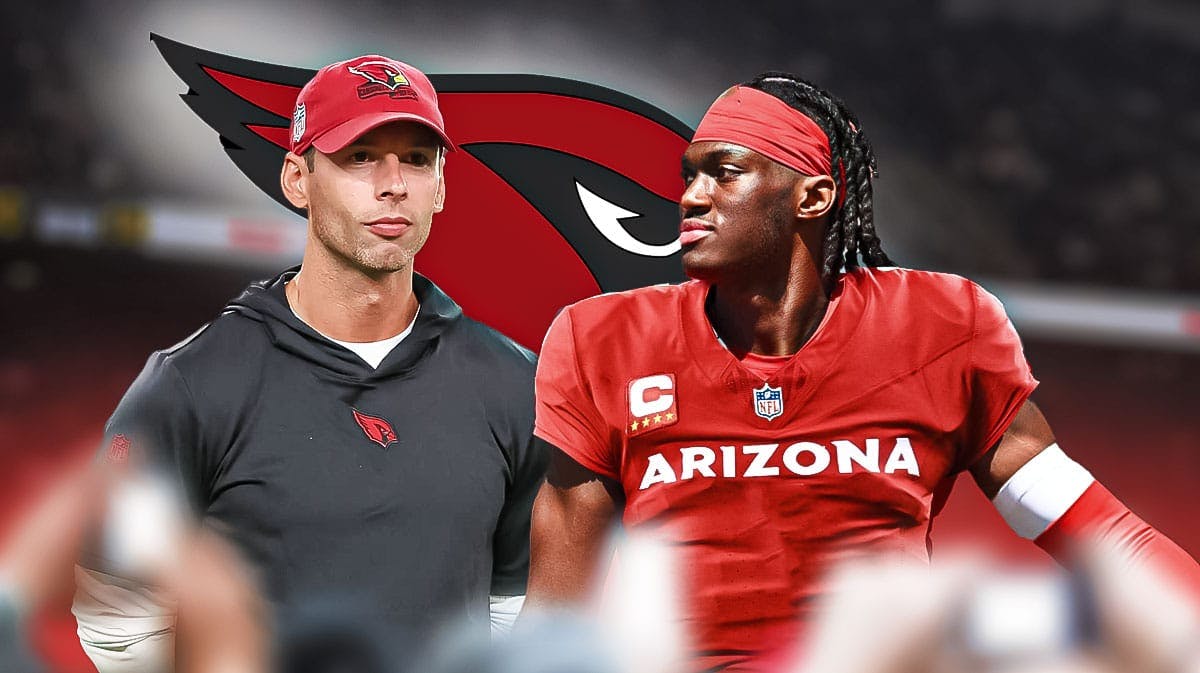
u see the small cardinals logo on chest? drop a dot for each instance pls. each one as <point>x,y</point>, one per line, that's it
<point>376,429</point>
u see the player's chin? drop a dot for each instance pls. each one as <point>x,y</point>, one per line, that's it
<point>700,264</point>
<point>386,259</point>
<point>393,254</point>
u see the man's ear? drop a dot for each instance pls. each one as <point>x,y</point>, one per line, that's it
<point>815,196</point>
<point>439,198</point>
<point>293,178</point>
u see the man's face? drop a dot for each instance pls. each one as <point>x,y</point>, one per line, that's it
<point>737,211</point>
<point>372,202</point>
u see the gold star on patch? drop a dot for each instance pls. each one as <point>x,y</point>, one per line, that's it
<point>646,422</point>
<point>634,426</point>
<point>657,419</point>
<point>670,416</point>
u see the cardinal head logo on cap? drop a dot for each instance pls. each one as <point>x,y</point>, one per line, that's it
<point>382,77</point>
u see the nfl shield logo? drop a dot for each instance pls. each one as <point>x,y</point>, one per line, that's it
<point>299,119</point>
<point>768,402</point>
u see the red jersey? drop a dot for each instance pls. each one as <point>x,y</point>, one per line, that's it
<point>759,484</point>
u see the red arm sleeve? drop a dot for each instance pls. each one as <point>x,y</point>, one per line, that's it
<point>998,378</point>
<point>1098,515</point>
<point>567,416</point>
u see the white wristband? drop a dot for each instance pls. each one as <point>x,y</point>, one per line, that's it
<point>504,611</point>
<point>1041,491</point>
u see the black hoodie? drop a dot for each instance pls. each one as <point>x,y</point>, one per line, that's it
<point>403,490</point>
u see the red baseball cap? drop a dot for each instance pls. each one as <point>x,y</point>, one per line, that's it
<point>346,99</point>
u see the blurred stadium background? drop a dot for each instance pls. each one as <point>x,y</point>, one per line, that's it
<point>1049,150</point>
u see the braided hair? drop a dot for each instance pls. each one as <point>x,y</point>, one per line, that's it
<point>851,231</point>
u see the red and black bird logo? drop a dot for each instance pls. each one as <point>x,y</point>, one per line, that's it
<point>377,429</point>
<point>382,78</point>
<point>563,189</point>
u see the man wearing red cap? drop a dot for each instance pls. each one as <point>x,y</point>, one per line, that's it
<point>367,446</point>
<point>789,407</point>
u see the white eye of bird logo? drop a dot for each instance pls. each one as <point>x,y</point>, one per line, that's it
<point>379,72</point>
<point>606,216</point>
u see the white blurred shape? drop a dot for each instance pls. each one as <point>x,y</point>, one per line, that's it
<point>639,613</point>
<point>145,527</point>
<point>882,615</point>
<point>1102,316</point>
<point>65,223</point>
<point>1020,615</point>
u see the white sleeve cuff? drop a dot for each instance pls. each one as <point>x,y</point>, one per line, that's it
<point>504,611</point>
<point>1041,491</point>
<point>123,628</point>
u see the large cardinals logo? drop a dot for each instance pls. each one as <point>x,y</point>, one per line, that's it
<point>564,189</point>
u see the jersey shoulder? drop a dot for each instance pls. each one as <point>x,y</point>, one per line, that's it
<point>615,335</point>
<point>212,371</point>
<point>189,391</point>
<point>913,298</point>
<point>909,317</point>
<point>230,339</point>
<point>632,313</point>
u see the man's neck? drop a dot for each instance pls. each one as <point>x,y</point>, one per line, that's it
<point>347,304</point>
<point>776,317</point>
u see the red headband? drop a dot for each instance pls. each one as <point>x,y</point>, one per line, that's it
<point>759,121</point>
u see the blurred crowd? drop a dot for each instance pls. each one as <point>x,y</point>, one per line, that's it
<point>1075,126</point>
<point>881,615</point>
<point>48,139</point>
<point>1086,141</point>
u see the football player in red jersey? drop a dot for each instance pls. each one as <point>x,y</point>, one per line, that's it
<point>790,406</point>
